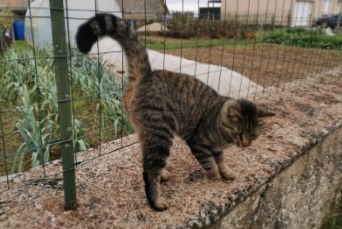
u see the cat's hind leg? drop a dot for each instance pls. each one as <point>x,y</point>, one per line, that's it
<point>164,175</point>
<point>156,149</point>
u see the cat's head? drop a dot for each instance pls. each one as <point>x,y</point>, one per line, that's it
<point>241,120</point>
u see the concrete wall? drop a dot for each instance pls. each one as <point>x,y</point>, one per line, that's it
<point>298,197</point>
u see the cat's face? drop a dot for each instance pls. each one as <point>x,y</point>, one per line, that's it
<point>242,121</point>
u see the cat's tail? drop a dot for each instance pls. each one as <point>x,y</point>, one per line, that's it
<point>114,27</point>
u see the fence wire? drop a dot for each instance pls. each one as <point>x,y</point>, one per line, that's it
<point>242,48</point>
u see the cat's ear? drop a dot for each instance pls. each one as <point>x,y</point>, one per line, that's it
<point>265,114</point>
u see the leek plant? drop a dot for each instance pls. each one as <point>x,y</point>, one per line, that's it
<point>28,83</point>
<point>35,134</point>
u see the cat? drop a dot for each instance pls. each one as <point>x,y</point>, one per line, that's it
<point>161,104</point>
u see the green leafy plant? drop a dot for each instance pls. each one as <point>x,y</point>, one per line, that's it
<point>305,38</point>
<point>28,83</point>
<point>93,79</point>
<point>6,19</point>
<point>35,134</point>
<point>334,218</point>
<point>78,135</point>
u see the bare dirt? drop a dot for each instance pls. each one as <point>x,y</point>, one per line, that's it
<point>265,64</point>
<point>110,191</point>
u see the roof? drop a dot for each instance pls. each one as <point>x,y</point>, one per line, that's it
<point>14,4</point>
<point>154,27</point>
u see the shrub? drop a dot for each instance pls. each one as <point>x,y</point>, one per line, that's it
<point>305,38</point>
<point>213,29</point>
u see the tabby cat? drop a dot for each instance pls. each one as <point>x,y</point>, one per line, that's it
<point>162,104</point>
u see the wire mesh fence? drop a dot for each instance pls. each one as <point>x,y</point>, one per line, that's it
<point>55,101</point>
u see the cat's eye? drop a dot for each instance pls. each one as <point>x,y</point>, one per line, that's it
<point>233,118</point>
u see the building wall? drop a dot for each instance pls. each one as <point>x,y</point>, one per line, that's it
<point>260,11</point>
<point>278,10</point>
<point>261,7</point>
<point>149,9</point>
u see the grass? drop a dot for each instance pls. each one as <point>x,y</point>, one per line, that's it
<point>20,44</point>
<point>158,43</point>
<point>334,218</point>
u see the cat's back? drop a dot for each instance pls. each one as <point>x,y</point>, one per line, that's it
<point>182,88</point>
<point>181,97</point>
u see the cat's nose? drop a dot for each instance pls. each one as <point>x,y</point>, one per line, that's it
<point>245,143</point>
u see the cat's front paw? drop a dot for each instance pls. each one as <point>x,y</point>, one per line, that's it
<point>213,175</point>
<point>227,174</point>
<point>161,204</point>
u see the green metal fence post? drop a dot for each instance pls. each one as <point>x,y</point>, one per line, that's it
<point>64,101</point>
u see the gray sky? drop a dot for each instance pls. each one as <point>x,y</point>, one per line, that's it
<point>186,5</point>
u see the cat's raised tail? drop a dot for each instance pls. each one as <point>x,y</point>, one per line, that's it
<point>109,25</point>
